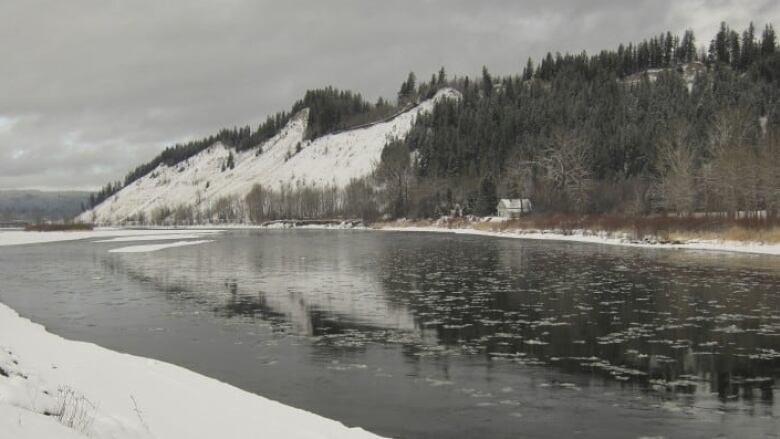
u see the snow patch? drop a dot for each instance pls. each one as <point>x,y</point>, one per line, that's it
<point>20,237</point>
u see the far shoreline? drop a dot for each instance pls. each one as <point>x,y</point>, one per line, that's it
<point>599,238</point>
<point>585,236</point>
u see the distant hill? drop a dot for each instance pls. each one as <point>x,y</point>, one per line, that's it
<point>31,205</point>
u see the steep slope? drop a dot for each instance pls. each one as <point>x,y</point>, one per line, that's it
<point>286,159</point>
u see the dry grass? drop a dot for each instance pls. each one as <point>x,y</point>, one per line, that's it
<point>405,223</point>
<point>733,233</point>
<point>657,228</point>
<point>57,227</point>
<point>74,410</point>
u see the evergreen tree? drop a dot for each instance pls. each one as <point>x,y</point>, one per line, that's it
<point>669,45</point>
<point>487,82</point>
<point>528,71</point>
<point>768,41</point>
<point>687,48</point>
<point>719,47</point>
<point>442,78</point>
<point>408,90</point>
<point>735,51</point>
<point>748,47</point>
<point>546,68</point>
<point>487,199</point>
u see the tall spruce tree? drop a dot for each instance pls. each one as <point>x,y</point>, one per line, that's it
<point>768,41</point>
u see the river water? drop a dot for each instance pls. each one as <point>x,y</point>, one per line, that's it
<point>424,335</point>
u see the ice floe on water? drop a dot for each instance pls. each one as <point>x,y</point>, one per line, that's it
<point>156,247</point>
<point>165,237</point>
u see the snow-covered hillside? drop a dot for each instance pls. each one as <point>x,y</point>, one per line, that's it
<point>331,160</point>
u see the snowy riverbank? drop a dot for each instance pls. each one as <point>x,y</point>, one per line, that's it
<point>591,237</point>
<point>51,387</point>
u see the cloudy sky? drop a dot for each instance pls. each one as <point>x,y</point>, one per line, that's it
<point>91,88</point>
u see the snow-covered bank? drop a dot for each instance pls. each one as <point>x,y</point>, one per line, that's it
<point>591,237</point>
<point>19,237</point>
<point>51,387</point>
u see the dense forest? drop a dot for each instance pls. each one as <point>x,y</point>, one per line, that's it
<point>664,125</point>
<point>657,126</point>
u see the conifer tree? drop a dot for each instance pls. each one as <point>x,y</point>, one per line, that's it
<point>408,89</point>
<point>735,51</point>
<point>487,82</point>
<point>487,199</point>
<point>687,47</point>
<point>442,77</point>
<point>719,47</point>
<point>768,41</point>
<point>528,71</point>
<point>748,46</point>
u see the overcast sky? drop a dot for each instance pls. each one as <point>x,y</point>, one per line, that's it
<point>89,89</point>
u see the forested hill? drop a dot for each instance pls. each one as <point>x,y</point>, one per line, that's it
<point>669,123</point>
<point>653,126</point>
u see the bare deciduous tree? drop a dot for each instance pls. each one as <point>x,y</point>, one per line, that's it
<point>565,165</point>
<point>676,185</point>
<point>395,172</point>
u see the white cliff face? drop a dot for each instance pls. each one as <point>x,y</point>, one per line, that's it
<point>332,160</point>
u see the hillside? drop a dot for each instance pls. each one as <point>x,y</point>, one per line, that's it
<point>655,127</point>
<point>286,161</point>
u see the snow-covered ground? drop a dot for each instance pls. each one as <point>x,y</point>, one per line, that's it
<point>19,237</point>
<point>55,388</point>
<point>602,238</point>
<point>331,160</point>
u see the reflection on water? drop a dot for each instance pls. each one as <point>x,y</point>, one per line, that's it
<point>700,330</point>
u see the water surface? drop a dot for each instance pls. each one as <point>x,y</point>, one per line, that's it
<point>416,335</point>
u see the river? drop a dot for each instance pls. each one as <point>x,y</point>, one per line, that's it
<point>425,335</point>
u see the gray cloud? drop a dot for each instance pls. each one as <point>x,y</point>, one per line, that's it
<point>90,88</point>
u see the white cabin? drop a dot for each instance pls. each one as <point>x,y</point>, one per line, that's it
<point>514,207</point>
